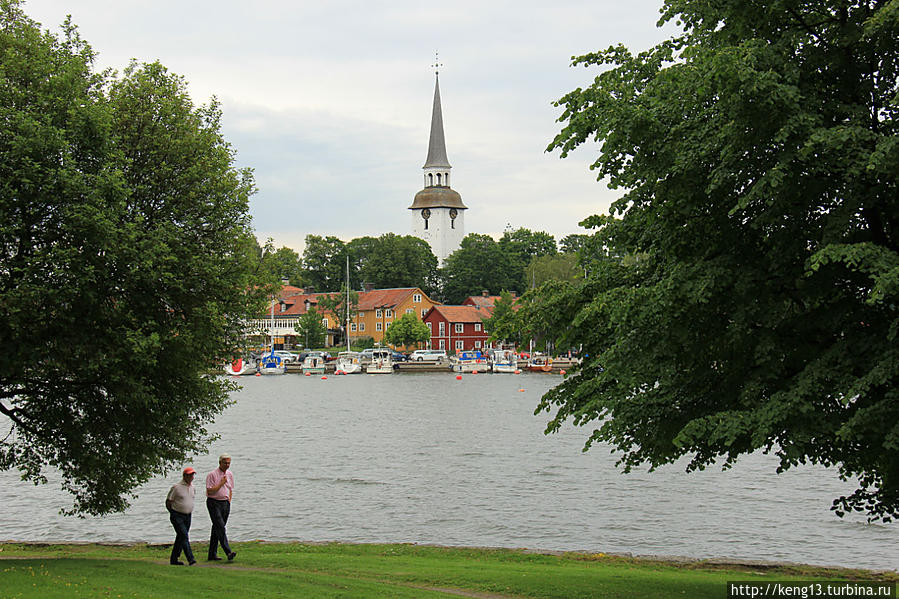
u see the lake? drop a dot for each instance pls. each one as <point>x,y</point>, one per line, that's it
<point>426,458</point>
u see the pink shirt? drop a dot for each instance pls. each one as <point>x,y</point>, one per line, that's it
<point>214,478</point>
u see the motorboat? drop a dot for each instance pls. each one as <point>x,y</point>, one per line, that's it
<point>348,362</point>
<point>504,360</point>
<point>381,362</point>
<point>240,367</point>
<point>540,363</point>
<point>470,361</point>
<point>314,363</point>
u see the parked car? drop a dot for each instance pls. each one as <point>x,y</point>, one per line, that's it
<point>286,356</point>
<point>428,355</point>
<point>400,357</point>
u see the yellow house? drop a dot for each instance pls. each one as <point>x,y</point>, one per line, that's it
<point>378,308</point>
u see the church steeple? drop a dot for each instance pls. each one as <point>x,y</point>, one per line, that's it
<point>437,210</point>
<point>437,142</point>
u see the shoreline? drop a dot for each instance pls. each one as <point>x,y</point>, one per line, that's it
<point>676,561</point>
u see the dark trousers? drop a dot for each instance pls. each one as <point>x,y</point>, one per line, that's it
<point>181,522</point>
<point>218,513</point>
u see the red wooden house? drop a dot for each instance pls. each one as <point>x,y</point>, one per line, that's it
<point>458,328</point>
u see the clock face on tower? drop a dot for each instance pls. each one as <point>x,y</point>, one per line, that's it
<point>454,213</point>
<point>426,214</point>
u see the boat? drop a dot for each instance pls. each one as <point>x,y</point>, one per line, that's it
<point>348,362</point>
<point>272,363</point>
<point>504,360</point>
<point>314,363</point>
<point>470,361</point>
<point>381,362</point>
<point>241,366</point>
<point>540,363</point>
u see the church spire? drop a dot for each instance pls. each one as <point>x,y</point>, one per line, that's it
<point>437,143</point>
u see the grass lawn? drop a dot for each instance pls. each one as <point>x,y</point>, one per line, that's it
<point>338,570</point>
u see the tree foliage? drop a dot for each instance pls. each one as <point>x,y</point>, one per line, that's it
<point>393,261</point>
<point>558,267</point>
<point>479,264</point>
<point>125,248</point>
<point>521,246</point>
<point>324,262</point>
<point>338,305</point>
<point>277,265</point>
<point>407,330</point>
<point>311,329</point>
<point>502,325</point>
<point>749,295</point>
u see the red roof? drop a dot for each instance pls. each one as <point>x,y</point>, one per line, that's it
<point>295,304</point>
<point>480,300</point>
<point>464,313</point>
<point>384,298</point>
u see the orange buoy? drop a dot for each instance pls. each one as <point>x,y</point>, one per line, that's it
<point>458,377</point>
<point>517,372</point>
<point>324,378</point>
<point>258,374</point>
<point>308,374</point>
<point>474,372</point>
<point>521,390</point>
<point>561,372</point>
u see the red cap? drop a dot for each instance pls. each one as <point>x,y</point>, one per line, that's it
<point>188,470</point>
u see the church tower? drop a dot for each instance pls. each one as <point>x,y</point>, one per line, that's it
<point>437,211</point>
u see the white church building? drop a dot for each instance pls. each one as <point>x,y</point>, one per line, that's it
<point>438,214</point>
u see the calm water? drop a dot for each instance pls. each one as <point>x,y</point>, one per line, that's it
<point>427,458</point>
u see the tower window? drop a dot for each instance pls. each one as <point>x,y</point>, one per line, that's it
<point>430,179</point>
<point>438,178</point>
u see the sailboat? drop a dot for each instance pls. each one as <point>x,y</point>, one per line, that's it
<point>270,363</point>
<point>348,362</point>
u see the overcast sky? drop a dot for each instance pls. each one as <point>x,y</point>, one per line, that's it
<point>330,102</point>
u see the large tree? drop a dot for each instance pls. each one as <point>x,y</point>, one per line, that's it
<point>479,264</point>
<point>278,265</point>
<point>751,301</point>
<point>523,245</point>
<point>398,261</point>
<point>324,262</point>
<point>407,330</point>
<point>311,328</point>
<point>125,254</point>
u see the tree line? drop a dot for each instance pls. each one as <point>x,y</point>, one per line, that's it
<point>519,260</point>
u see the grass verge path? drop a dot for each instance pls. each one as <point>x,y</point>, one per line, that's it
<point>338,570</point>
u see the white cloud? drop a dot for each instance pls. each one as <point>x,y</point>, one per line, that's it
<point>330,102</point>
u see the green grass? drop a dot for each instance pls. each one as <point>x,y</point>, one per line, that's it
<point>338,570</point>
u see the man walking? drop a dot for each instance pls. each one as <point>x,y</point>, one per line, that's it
<point>219,488</point>
<point>180,504</point>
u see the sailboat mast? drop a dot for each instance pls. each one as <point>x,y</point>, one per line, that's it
<point>271,329</point>
<point>347,332</point>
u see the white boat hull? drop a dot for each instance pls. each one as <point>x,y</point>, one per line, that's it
<point>314,366</point>
<point>505,367</point>
<point>272,370</point>
<point>240,367</point>
<point>348,367</point>
<point>471,367</point>
<point>379,367</point>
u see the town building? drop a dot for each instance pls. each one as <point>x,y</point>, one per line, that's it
<point>376,310</point>
<point>458,328</point>
<point>438,214</point>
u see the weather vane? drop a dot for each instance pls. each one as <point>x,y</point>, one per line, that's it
<point>437,64</point>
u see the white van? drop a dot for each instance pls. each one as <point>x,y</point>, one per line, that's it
<point>428,355</point>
